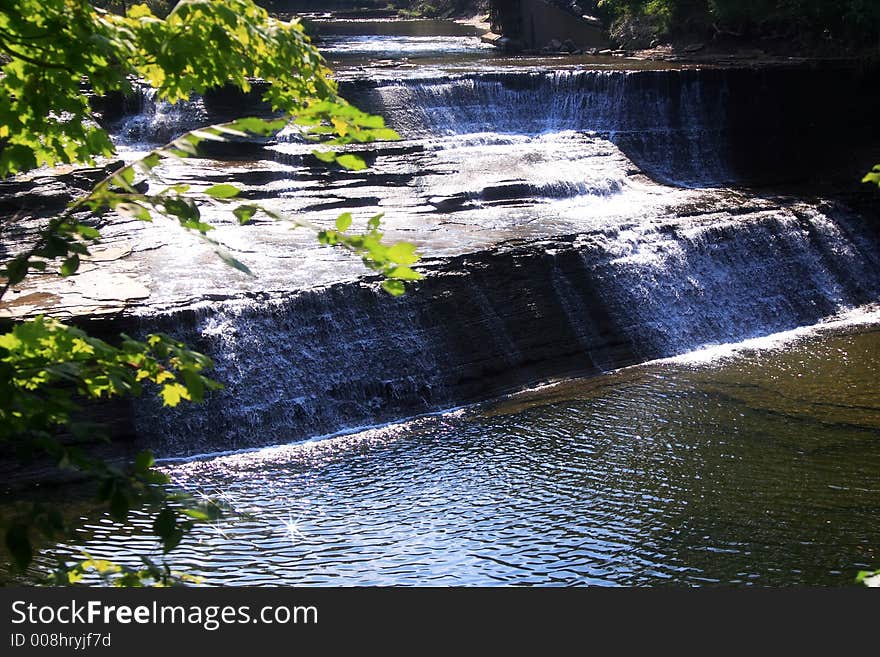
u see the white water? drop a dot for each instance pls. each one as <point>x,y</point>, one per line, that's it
<point>621,268</point>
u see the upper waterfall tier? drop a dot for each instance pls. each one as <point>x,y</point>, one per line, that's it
<point>702,127</point>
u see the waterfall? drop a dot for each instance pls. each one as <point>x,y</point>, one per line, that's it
<point>345,356</point>
<point>672,125</point>
<point>552,253</point>
<point>150,121</point>
<point>686,127</point>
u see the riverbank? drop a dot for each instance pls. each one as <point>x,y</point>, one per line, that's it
<point>753,52</point>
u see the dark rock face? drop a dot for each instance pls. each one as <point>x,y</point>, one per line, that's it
<point>49,193</point>
<point>230,101</point>
<point>348,355</point>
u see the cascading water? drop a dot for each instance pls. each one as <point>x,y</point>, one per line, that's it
<point>156,121</point>
<point>673,123</point>
<point>491,322</point>
<point>554,254</point>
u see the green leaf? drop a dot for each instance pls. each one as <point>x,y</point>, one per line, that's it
<point>166,527</point>
<point>123,178</point>
<point>343,222</point>
<point>149,162</point>
<point>196,514</point>
<point>182,208</point>
<point>222,191</point>
<point>87,232</point>
<point>384,134</point>
<point>199,226</point>
<point>164,523</point>
<point>16,270</point>
<point>235,263</point>
<point>869,578</point>
<point>144,461</point>
<point>393,287</point>
<point>244,213</point>
<point>403,253</point>
<point>173,393</point>
<point>258,126</point>
<point>325,156</point>
<point>194,385</point>
<point>374,221</point>
<point>155,477</point>
<point>133,210</point>
<point>405,274</point>
<point>352,162</point>
<point>69,266</point>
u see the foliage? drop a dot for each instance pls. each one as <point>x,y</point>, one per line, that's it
<point>160,8</point>
<point>852,20</point>
<point>873,176</point>
<point>49,368</point>
<point>438,8</point>
<point>869,578</point>
<point>112,574</point>
<point>53,45</point>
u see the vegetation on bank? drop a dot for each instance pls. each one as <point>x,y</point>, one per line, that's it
<point>159,8</point>
<point>49,369</point>
<point>404,8</point>
<point>642,23</point>
<point>440,8</point>
<point>808,24</point>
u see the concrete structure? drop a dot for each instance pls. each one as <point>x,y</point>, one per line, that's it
<point>537,23</point>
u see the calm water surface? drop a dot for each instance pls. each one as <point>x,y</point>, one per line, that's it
<point>760,468</point>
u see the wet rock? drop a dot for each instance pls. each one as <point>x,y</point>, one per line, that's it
<point>750,53</point>
<point>43,194</point>
<point>511,45</point>
<point>232,101</point>
<point>37,196</point>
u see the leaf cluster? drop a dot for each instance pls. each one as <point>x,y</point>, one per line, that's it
<point>46,370</point>
<point>53,46</point>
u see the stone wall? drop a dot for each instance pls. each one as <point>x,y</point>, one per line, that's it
<point>543,22</point>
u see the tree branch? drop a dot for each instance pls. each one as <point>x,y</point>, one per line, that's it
<point>30,60</point>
